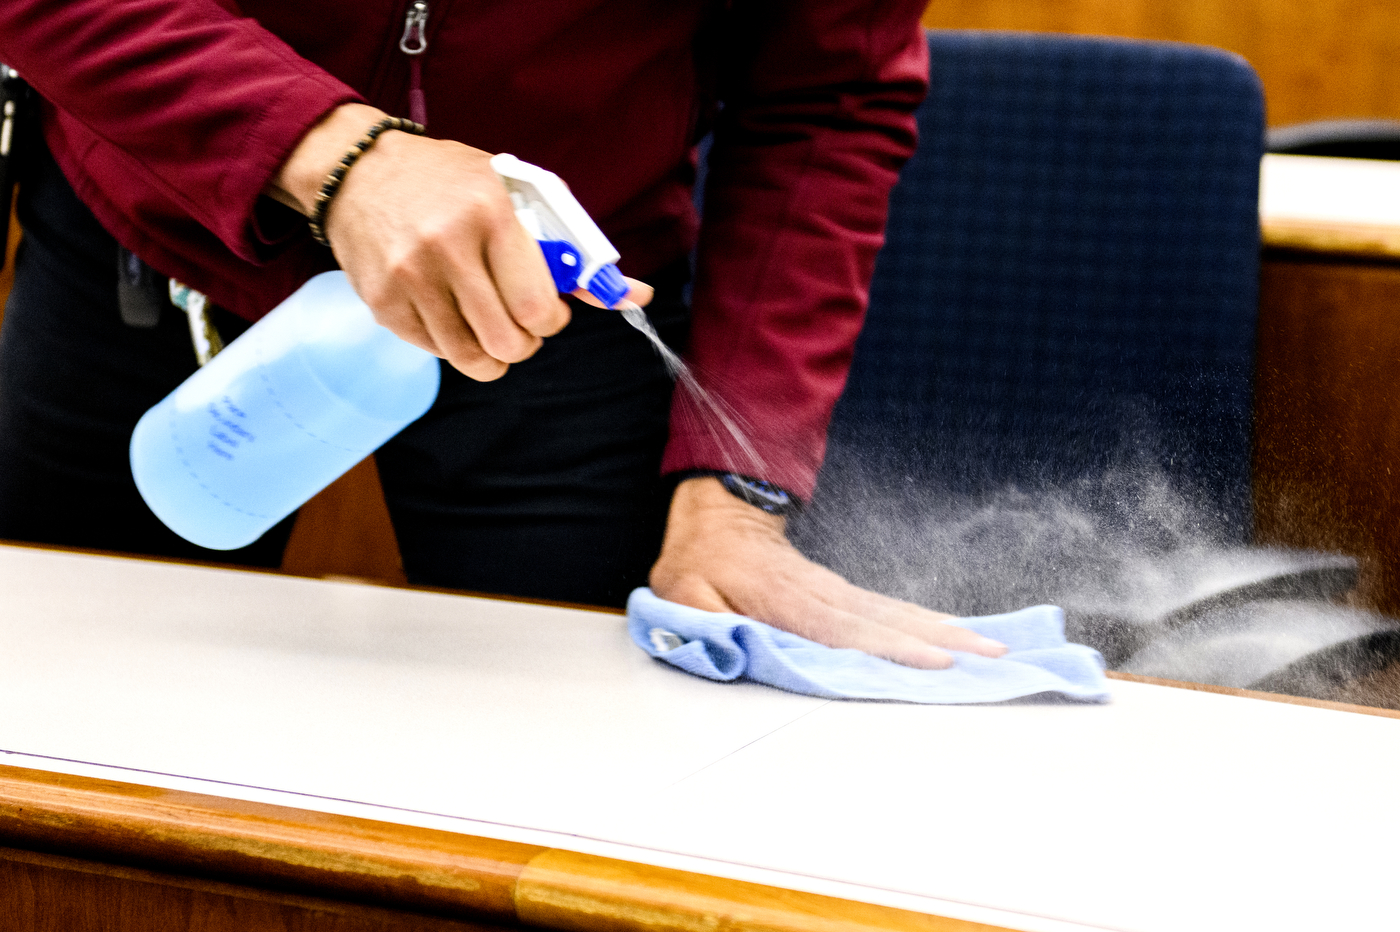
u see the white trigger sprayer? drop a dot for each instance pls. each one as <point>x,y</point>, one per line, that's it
<point>579,255</point>
<point>577,252</point>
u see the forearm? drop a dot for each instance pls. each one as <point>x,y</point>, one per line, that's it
<point>813,134</point>
<point>183,101</point>
<point>300,177</point>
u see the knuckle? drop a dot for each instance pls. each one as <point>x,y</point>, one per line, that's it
<point>467,353</point>
<point>401,269</point>
<point>466,356</point>
<point>482,369</point>
<point>542,315</point>
<point>497,216</point>
<point>483,204</point>
<point>383,297</point>
<point>393,315</point>
<point>439,233</point>
<point>511,346</point>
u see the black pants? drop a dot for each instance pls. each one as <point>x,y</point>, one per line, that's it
<point>542,484</point>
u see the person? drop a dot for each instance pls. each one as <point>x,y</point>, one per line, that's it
<point>196,134</point>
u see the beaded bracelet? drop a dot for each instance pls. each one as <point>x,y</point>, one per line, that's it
<point>331,185</point>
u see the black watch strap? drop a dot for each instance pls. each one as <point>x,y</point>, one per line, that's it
<point>759,493</point>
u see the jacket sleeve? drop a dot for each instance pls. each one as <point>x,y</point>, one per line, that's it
<point>818,117</point>
<point>174,113</point>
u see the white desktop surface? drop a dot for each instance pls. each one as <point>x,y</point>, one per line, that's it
<point>1331,204</point>
<point>1164,810</point>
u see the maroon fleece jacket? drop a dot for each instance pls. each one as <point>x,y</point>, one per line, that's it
<point>170,116</point>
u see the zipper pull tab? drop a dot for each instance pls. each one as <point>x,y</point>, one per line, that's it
<point>415,29</point>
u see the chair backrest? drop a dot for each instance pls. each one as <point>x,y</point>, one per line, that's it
<point>1070,274</point>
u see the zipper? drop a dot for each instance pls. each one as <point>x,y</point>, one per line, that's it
<point>413,44</point>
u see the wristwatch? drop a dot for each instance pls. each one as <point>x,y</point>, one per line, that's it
<point>759,493</point>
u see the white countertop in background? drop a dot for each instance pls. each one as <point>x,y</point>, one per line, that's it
<point>1331,204</point>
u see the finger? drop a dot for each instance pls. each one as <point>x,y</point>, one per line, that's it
<point>911,620</point>
<point>454,341</point>
<point>523,281</point>
<point>928,626</point>
<point>809,617</point>
<point>400,318</point>
<point>479,304</point>
<point>414,288</point>
<point>806,603</point>
<point>835,627</point>
<point>639,293</point>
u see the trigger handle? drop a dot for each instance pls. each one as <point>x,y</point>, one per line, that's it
<point>564,263</point>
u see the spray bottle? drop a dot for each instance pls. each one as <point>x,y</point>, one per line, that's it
<point>316,386</point>
<point>577,252</point>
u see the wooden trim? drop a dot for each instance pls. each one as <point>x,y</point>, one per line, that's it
<point>267,846</point>
<point>1254,694</point>
<point>584,893</point>
<point>1316,236</point>
<point>392,866</point>
<point>47,892</point>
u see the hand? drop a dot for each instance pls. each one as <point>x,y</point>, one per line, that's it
<point>723,555</point>
<point>428,237</point>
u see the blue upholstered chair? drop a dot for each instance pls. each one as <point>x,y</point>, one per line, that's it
<point>1070,275</point>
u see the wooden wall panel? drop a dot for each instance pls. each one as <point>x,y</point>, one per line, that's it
<point>345,531</point>
<point>1327,414</point>
<point>45,893</point>
<point>7,274</point>
<point>1318,58</point>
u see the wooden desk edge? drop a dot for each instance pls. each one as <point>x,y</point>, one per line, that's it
<point>1343,239</point>
<point>1253,694</point>
<point>403,867</point>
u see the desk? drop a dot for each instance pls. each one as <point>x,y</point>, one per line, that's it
<point>1330,205</point>
<point>481,761</point>
<point>1327,399</point>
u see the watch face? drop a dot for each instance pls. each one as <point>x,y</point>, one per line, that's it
<point>761,494</point>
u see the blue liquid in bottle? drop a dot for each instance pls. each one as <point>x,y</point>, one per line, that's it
<point>305,394</point>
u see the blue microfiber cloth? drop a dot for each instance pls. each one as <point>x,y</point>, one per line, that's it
<point>728,647</point>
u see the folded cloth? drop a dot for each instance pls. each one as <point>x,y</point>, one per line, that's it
<point>728,647</point>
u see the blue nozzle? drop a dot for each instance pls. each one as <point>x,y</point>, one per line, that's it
<point>608,286</point>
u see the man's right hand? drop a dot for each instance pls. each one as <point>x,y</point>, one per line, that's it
<point>428,237</point>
